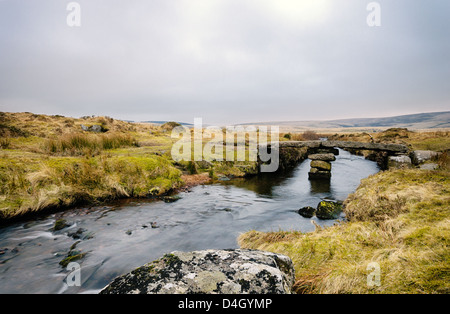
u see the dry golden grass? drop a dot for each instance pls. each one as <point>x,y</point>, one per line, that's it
<point>50,161</point>
<point>66,181</point>
<point>87,144</point>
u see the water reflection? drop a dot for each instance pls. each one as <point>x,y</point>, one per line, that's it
<point>263,184</point>
<point>320,186</point>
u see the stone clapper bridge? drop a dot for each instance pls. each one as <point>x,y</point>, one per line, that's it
<point>322,152</point>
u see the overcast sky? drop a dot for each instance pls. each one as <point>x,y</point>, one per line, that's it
<point>227,61</point>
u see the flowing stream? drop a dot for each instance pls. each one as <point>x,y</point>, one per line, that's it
<point>127,234</point>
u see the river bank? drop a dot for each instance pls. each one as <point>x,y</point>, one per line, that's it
<point>52,163</point>
<point>398,220</point>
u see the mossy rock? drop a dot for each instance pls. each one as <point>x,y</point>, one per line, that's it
<point>328,210</point>
<point>72,256</point>
<point>171,198</point>
<point>60,224</point>
<point>320,164</point>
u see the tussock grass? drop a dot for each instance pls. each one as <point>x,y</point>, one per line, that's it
<point>49,162</point>
<point>65,181</point>
<point>398,219</point>
<point>87,144</point>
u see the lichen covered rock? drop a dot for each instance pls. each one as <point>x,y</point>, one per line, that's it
<point>420,156</point>
<point>399,162</point>
<point>210,271</point>
<point>328,210</point>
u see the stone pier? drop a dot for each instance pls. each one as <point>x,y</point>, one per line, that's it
<point>320,166</point>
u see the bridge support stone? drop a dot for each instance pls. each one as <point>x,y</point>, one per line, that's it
<point>320,166</point>
<point>324,150</point>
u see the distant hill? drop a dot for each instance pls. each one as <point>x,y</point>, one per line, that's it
<point>431,120</point>
<point>162,122</point>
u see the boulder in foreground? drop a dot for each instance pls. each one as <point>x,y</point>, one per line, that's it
<point>209,272</point>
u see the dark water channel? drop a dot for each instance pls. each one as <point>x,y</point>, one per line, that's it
<point>124,235</point>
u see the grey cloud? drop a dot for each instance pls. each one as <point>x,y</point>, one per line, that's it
<point>227,61</point>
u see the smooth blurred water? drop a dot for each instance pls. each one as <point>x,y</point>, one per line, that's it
<point>120,237</point>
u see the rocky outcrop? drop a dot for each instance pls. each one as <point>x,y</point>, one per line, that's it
<point>429,166</point>
<point>421,156</point>
<point>399,162</point>
<point>94,128</point>
<point>209,271</point>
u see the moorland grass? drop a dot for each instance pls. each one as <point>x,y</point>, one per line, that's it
<point>399,219</point>
<point>65,181</point>
<point>87,144</point>
<point>50,162</point>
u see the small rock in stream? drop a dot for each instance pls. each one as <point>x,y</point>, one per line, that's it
<point>60,224</point>
<point>307,211</point>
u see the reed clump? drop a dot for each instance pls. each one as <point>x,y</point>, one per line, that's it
<point>87,144</point>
